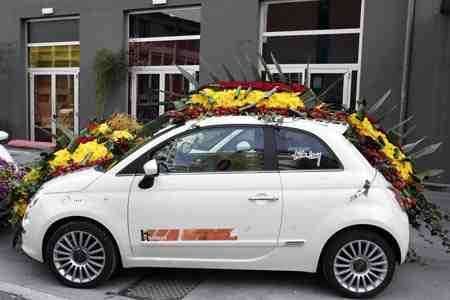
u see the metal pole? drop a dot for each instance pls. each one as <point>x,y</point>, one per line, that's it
<point>407,63</point>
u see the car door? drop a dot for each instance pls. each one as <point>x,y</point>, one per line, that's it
<point>314,181</point>
<point>211,200</point>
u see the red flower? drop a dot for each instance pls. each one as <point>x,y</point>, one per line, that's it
<point>263,86</point>
<point>85,139</point>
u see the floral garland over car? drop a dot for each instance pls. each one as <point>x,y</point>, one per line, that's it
<point>104,143</point>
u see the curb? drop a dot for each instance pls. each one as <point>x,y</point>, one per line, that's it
<point>27,293</point>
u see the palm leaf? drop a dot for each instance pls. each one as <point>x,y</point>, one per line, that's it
<point>374,108</point>
<point>207,67</point>
<point>386,114</point>
<point>410,147</point>
<point>265,66</point>
<point>241,68</point>
<point>328,89</point>
<point>426,151</point>
<point>270,93</point>
<point>253,67</point>
<point>283,77</point>
<point>401,124</point>
<point>189,77</point>
<point>228,73</point>
<point>67,132</point>
<point>429,174</point>
<point>409,132</point>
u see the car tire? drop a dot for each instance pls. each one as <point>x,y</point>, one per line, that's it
<point>359,263</point>
<point>81,254</point>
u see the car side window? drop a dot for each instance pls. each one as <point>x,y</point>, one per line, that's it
<point>216,149</point>
<point>297,150</point>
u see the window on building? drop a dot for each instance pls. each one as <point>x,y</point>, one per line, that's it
<point>54,44</point>
<point>324,35</point>
<point>158,42</point>
<point>165,38</point>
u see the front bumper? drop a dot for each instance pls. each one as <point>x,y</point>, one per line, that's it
<point>32,240</point>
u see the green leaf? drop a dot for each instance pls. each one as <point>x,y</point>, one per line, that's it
<point>238,93</point>
<point>426,151</point>
<point>283,77</point>
<point>374,108</point>
<point>189,77</point>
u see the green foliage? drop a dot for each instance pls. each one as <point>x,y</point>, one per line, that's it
<point>110,68</point>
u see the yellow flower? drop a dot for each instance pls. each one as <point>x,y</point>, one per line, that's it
<point>211,99</point>
<point>103,129</point>
<point>32,176</point>
<point>284,100</point>
<point>62,159</point>
<point>395,155</point>
<point>20,208</point>
<point>404,169</point>
<point>92,151</point>
<point>122,135</point>
<point>200,99</point>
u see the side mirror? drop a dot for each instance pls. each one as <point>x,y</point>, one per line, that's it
<point>151,168</point>
<point>3,136</point>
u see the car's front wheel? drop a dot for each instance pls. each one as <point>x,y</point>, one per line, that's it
<point>359,264</point>
<point>81,255</point>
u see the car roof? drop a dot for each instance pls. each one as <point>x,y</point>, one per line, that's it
<point>298,123</point>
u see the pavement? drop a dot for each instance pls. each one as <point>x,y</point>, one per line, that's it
<point>21,278</point>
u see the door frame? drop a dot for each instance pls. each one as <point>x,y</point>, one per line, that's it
<point>155,70</point>
<point>307,69</point>
<point>53,72</point>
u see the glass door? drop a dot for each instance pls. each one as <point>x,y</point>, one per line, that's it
<point>54,103</point>
<point>153,91</point>
<point>42,96</point>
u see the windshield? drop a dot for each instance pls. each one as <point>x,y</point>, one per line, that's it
<point>158,127</point>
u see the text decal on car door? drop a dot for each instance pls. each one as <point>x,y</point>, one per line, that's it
<point>207,234</point>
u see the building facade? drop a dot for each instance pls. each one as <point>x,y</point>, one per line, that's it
<point>48,48</point>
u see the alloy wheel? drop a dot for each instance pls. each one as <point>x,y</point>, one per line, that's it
<point>360,266</point>
<point>79,257</point>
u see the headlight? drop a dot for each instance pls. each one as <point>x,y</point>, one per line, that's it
<point>33,202</point>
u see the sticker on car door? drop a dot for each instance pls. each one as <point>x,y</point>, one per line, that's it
<point>200,234</point>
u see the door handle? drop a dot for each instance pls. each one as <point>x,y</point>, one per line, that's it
<point>263,197</point>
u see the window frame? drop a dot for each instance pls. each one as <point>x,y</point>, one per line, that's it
<point>301,131</point>
<point>357,66</point>
<point>134,168</point>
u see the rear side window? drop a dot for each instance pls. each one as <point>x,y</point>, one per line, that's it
<point>298,150</point>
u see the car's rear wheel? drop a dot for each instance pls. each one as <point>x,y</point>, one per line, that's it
<point>359,264</point>
<point>81,255</point>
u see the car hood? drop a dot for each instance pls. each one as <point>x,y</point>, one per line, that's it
<point>72,182</point>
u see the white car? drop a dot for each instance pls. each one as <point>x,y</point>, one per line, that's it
<point>4,154</point>
<point>226,193</point>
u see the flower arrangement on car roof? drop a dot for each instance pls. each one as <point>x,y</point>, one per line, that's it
<point>104,143</point>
